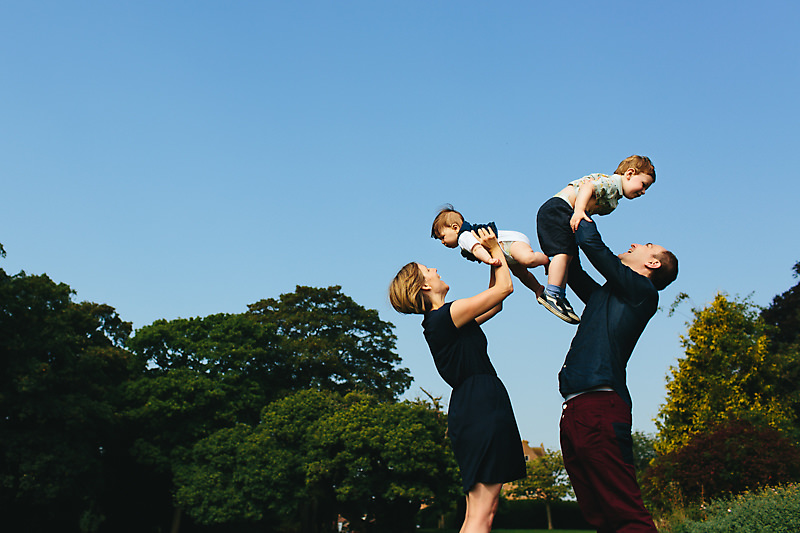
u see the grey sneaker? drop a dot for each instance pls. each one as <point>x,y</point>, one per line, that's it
<point>559,307</point>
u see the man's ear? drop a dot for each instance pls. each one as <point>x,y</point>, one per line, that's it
<point>653,264</point>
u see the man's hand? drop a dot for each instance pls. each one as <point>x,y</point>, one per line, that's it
<point>575,221</point>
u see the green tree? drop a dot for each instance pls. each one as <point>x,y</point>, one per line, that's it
<point>61,365</point>
<point>235,351</point>
<point>209,373</point>
<point>312,338</point>
<point>384,460</point>
<point>728,371</point>
<point>333,343</point>
<point>547,480</point>
<point>204,374</point>
<point>317,454</point>
<point>730,457</point>
<point>644,450</point>
<point>784,314</point>
<point>264,466</point>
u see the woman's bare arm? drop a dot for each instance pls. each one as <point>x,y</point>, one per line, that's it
<point>488,303</point>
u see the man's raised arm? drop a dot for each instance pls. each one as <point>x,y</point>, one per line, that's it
<point>607,264</point>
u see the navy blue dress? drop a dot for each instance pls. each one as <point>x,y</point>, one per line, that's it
<point>480,421</point>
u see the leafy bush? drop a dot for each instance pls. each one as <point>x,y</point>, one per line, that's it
<point>732,457</point>
<point>773,510</point>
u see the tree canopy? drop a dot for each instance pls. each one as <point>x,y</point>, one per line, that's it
<point>61,363</point>
<point>296,396</point>
<point>317,454</point>
<point>730,421</point>
<point>209,378</point>
<point>728,371</point>
<point>784,314</point>
<point>332,343</point>
<point>547,480</point>
<point>729,458</point>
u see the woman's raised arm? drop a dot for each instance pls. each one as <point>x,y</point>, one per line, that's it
<point>488,303</point>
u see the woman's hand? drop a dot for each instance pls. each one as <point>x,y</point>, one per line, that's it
<point>486,238</point>
<point>488,303</point>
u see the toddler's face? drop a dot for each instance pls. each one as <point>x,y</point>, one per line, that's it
<point>449,236</point>
<point>635,185</point>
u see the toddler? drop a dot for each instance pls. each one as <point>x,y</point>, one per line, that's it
<point>450,227</point>
<point>558,218</point>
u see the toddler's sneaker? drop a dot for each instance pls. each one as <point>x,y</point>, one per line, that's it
<point>559,307</point>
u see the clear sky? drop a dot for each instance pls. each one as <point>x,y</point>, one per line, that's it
<point>178,159</point>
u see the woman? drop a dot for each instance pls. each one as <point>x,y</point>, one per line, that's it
<point>481,423</point>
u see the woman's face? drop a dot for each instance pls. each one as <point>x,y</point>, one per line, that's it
<point>432,279</point>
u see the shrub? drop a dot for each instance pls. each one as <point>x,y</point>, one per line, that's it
<point>732,457</point>
<point>773,510</point>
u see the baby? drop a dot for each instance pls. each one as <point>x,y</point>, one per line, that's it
<point>450,227</point>
<point>558,218</point>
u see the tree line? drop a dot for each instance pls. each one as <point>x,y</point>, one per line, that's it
<point>731,419</point>
<point>281,418</point>
<point>286,416</point>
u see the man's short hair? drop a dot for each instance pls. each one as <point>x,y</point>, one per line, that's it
<point>667,272</point>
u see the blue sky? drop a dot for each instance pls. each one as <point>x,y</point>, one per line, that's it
<point>178,159</point>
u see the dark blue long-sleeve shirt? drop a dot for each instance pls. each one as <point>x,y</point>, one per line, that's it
<point>613,320</point>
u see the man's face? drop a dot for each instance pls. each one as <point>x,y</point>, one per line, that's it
<point>639,255</point>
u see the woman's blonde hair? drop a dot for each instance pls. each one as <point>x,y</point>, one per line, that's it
<point>405,291</point>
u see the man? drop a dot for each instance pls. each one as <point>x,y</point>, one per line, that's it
<point>596,418</point>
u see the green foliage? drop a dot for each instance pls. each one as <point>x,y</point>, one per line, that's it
<point>387,459</point>
<point>547,479</point>
<point>168,412</point>
<point>61,364</point>
<point>728,458</point>
<point>728,371</point>
<point>773,510</point>
<point>644,450</point>
<point>96,437</point>
<point>784,314</point>
<point>235,351</point>
<point>332,343</point>
<point>317,454</point>
<point>219,491</point>
<point>312,338</point>
<point>215,344</point>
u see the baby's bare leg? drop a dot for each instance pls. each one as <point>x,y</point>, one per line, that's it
<point>527,279</point>
<point>525,256</point>
<point>557,273</point>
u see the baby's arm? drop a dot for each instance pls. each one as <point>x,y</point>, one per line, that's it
<point>470,244</point>
<point>483,255</point>
<point>582,200</point>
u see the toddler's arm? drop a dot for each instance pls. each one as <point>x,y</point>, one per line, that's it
<point>483,255</point>
<point>584,197</point>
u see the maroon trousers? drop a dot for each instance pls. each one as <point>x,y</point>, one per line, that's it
<point>598,454</point>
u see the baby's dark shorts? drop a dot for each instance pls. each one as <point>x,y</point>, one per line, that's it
<point>552,227</point>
